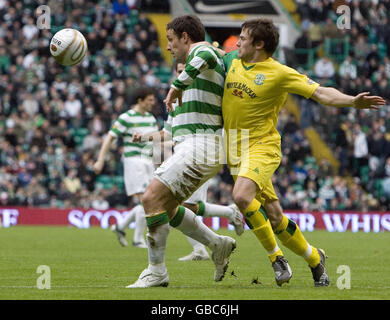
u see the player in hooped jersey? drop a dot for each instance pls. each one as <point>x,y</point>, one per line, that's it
<point>200,126</point>
<point>137,159</point>
<point>197,202</point>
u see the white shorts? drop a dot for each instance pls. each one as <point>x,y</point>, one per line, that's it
<point>195,160</point>
<point>138,173</point>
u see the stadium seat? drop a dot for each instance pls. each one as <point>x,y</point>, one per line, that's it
<point>364,174</point>
<point>164,74</point>
<point>118,181</point>
<point>79,134</point>
<point>104,181</point>
<point>382,49</point>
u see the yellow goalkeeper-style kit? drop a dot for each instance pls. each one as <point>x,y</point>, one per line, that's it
<point>253,96</point>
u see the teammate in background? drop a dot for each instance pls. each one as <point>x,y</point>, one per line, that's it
<point>197,202</point>
<point>198,130</point>
<point>256,88</point>
<point>138,163</point>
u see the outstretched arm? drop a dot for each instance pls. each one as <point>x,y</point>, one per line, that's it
<point>334,98</point>
<point>98,166</point>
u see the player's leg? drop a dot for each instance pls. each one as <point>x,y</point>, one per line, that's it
<point>140,219</point>
<point>231,212</point>
<point>221,246</point>
<point>200,162</point>
<point>159,199</point>
<point>198,204</point>
<point>175,182</point>
<point>292,237</point>
<point>136,178</point>
<point>257,165</point>
<point>120,227</point>
<point>199,251</point>
<point>244,193</point>
<point>140,226</point>
<point>158,204</point>
<point>206,209</point>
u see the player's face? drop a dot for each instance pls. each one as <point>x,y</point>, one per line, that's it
<point>246,49</point>
<point>179,69</point>
<point>177,46</point>
<point>148,103</point>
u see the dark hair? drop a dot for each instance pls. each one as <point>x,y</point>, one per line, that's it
<point>189,24</point>
<point>263,30</point>
<point>142,93</point>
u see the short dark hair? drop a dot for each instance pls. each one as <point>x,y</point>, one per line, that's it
<point>263,30</point>
<point>189,24</point>
<point>143,92</point>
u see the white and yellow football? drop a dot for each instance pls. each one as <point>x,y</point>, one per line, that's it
<point>68,47</point>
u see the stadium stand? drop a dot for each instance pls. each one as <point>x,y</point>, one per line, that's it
<point>353,60</point>
<point>52,118</point>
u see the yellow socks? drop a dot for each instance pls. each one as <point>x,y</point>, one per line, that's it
<point>257,221</point>
<point>292,237</point>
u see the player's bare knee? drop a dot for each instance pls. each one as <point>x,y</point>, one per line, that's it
<point>241,200</point>
<point>152,202</point>
<point>147,198</point>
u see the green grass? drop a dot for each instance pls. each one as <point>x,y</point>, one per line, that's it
<point>90,264</point>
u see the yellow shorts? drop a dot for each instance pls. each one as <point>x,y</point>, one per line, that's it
<point>259,164</point>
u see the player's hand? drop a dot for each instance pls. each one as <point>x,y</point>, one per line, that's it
<point>364,101</point>
<point>171,97</point>
<point>137,137</point>
<point>98,166</point>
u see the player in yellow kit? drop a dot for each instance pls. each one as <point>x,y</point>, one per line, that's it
<point>256,88</point>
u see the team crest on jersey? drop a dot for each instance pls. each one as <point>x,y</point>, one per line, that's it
<point>259,80</point>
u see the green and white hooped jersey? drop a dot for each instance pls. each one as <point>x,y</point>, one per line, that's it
<point>131,122</point>
<point>202,82</point>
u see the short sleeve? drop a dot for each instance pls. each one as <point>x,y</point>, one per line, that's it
<point>296,83</point>
<point>119,127</point>
<point>204,58</point>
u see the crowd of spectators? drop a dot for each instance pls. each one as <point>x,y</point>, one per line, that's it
<point>359,139</point>
<point>53,119</point>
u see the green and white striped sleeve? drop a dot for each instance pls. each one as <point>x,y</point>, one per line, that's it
<point>200,60</point>
<point>120,127</point>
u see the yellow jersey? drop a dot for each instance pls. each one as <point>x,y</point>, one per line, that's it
<point>253,96</point>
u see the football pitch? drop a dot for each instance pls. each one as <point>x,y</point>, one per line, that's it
<point>89,264</point>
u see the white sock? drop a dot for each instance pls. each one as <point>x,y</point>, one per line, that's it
<point>216,210</point>
<point>157,242</point>
<point>157,268</point>
<point>130,217</point>
<point>140,224</point>
<point>196,229</point>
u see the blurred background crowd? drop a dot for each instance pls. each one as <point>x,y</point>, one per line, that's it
<point>53,119</point>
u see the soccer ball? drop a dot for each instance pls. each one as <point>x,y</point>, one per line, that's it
<point>68,47</point>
